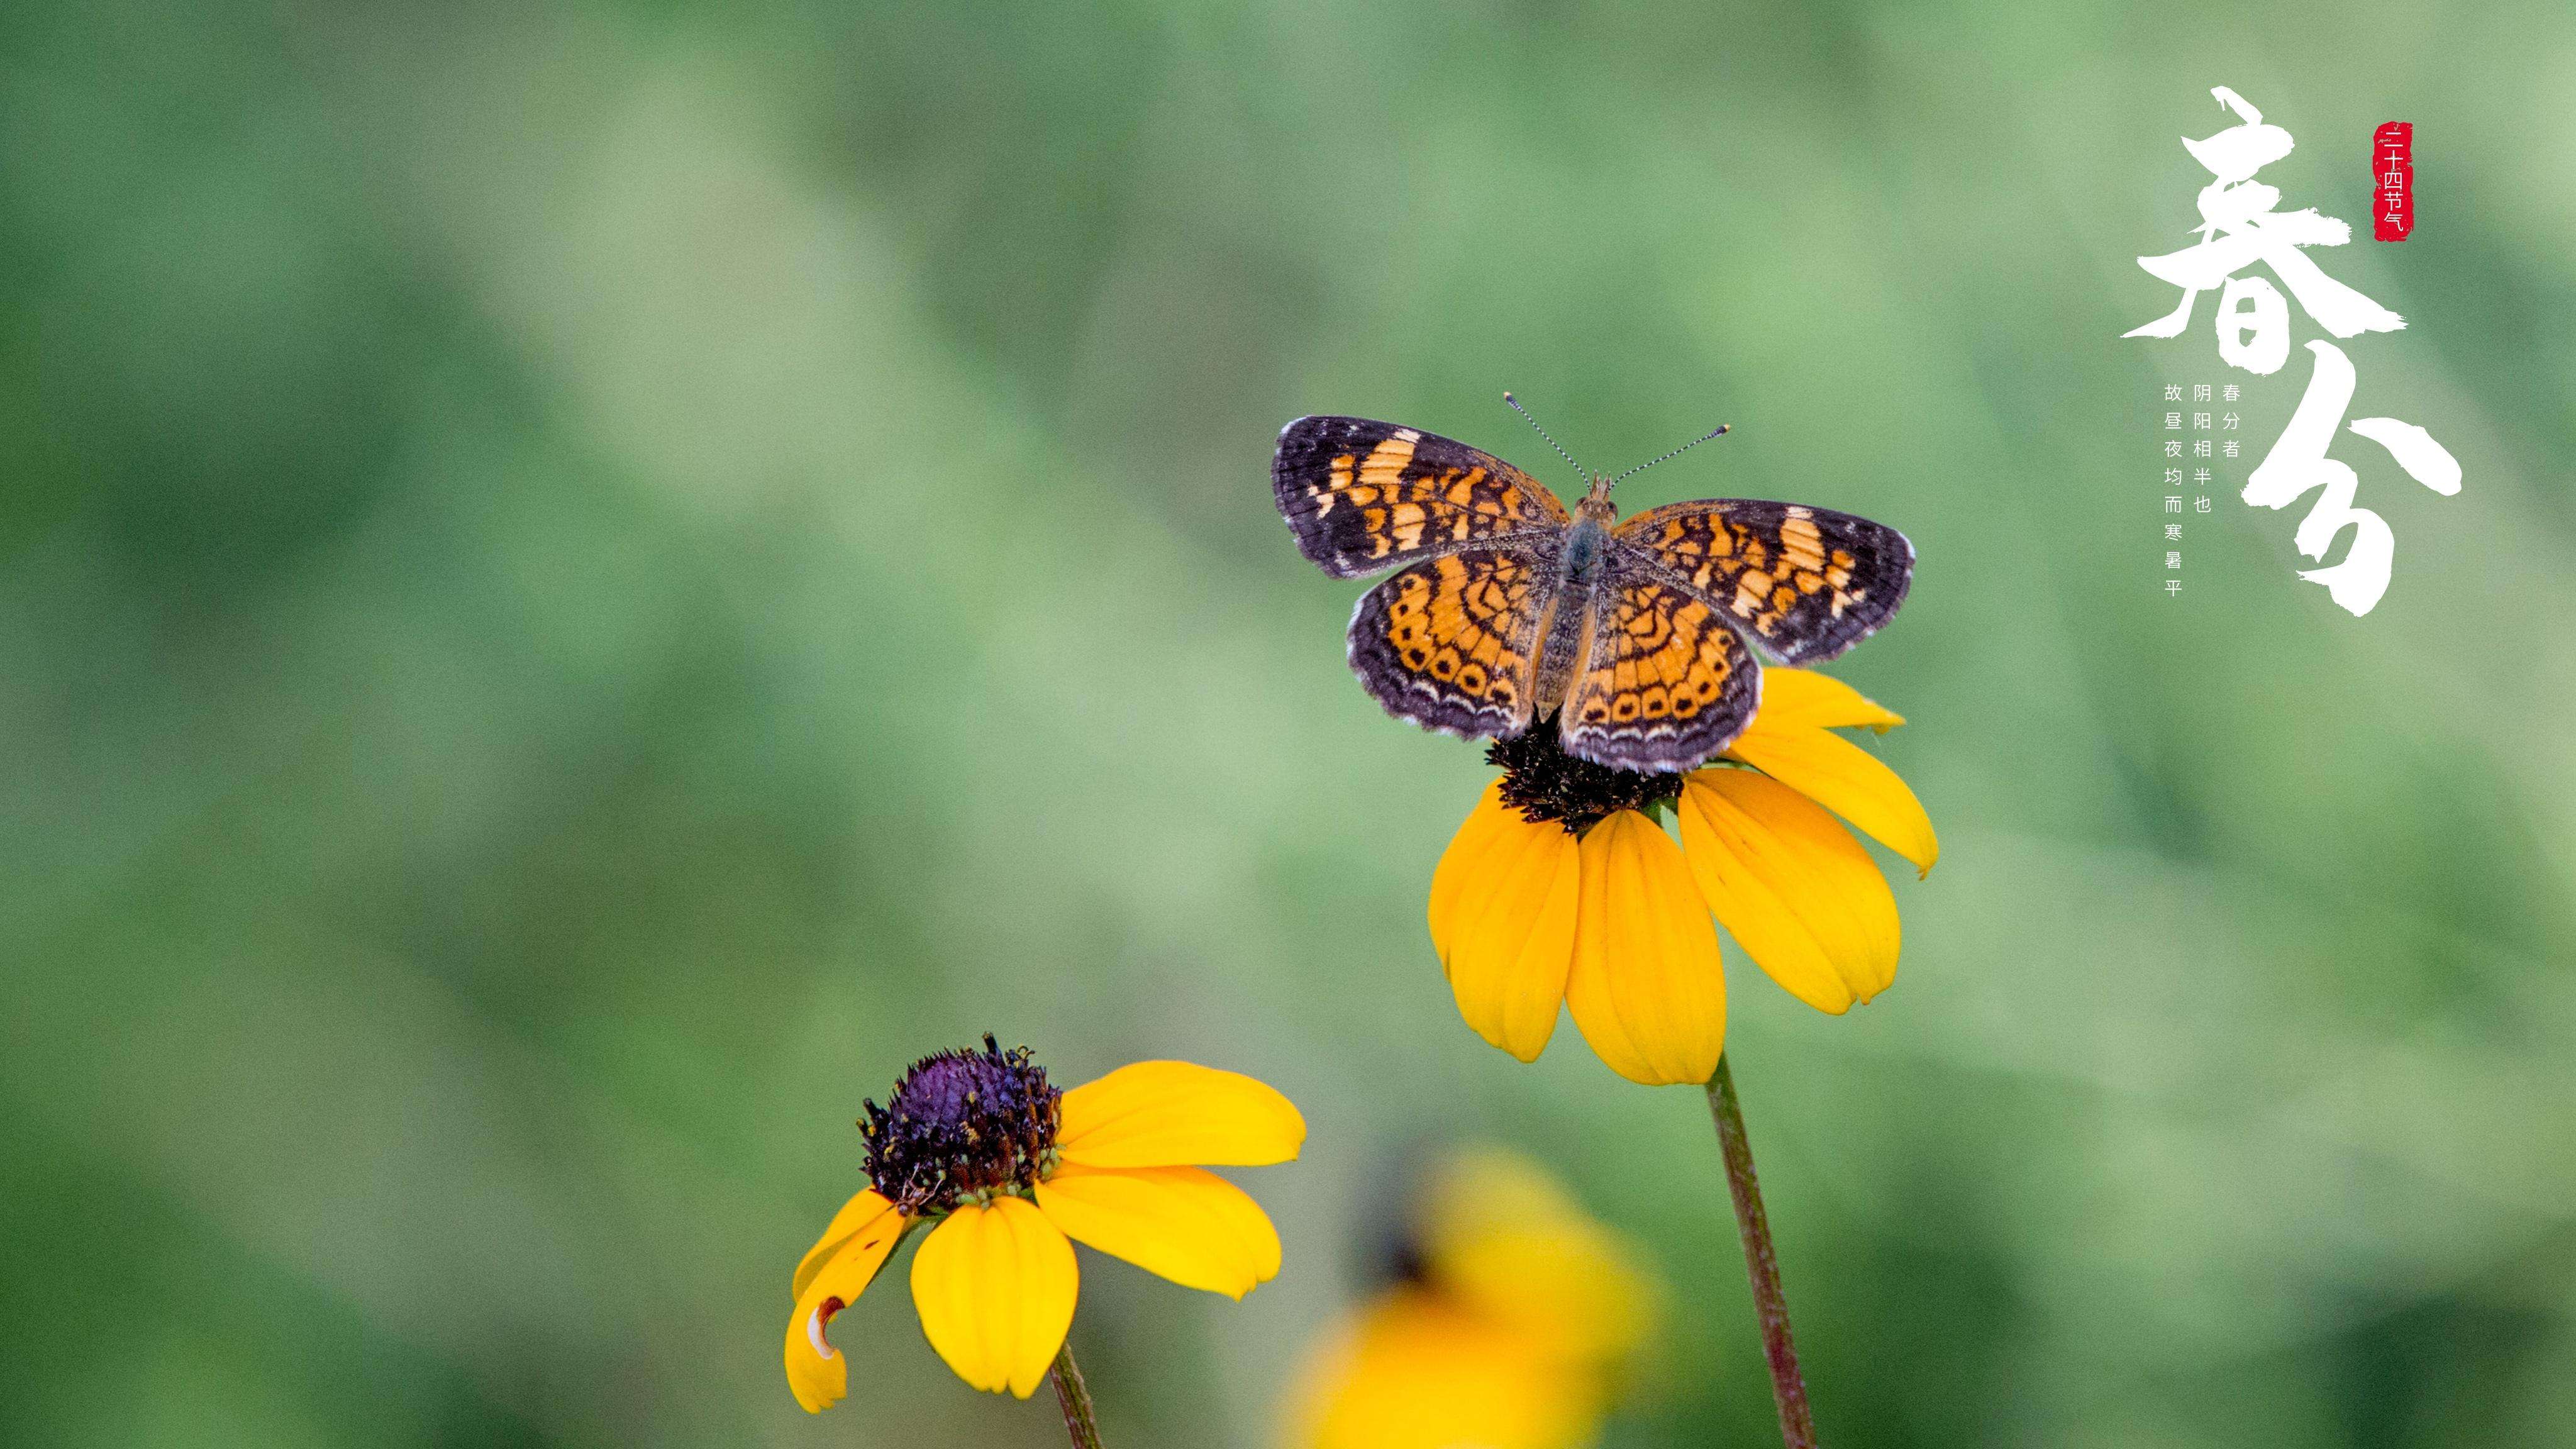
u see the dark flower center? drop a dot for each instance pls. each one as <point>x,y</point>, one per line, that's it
<point>1401,1259</point>
<point>1543,782</point>
<point>964,1125</point>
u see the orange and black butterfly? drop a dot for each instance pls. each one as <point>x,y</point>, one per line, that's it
<point>1509,610</point>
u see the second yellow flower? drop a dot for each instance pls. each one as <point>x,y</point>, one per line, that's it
<point>1562,889</point>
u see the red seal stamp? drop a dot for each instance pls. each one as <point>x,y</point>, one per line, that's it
<point>2392,181</point>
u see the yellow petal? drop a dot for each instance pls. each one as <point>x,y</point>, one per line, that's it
<point>1791,885</point>
<point>1418,1371</point>
<point>1499,1234</point>
<point>1502,917</point>
<point>816,1372</point>
<point>856,1214</point>
<point>995,1288</point>
<point>1846,779</point>
<point>1173,1114</point>
<point>1485,827</point>
<point>1819,701</point>
<point>1646,988</point>
<point>1188,1225</point>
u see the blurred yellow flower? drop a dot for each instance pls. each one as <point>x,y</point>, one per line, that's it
<point>1517,1317</point>
<point>1013,1172</point>
<point>1562,889</point>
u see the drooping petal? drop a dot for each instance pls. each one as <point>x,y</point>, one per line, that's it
<point>1503,904</point>
<point>995,1287</point>
<point>1175,1114</point>
<point>855,1215</point>
<point>1791,885</point>
<point>1846,779</point>
<point>1185,1223</point>
<point>1646,988</point>
<point>1819,701</point>
<point>828,1282</point>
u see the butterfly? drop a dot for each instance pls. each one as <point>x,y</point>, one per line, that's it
<point>1508,610</point>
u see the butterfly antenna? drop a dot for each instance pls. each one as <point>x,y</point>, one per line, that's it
<point>1542,432</point>
<point>1677,452</point>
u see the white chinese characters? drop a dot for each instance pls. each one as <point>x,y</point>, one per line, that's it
<point>2240,226</point>
<point>2298,462</point>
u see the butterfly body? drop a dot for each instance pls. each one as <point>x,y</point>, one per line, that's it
<point>1582,569</point>
<point>1508,609</point>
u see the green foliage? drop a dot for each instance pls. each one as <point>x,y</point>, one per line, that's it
<point>584,583</point>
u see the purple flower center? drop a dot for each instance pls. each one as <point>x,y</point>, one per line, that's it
<point>962,1125</point>
<point>1544,783</point>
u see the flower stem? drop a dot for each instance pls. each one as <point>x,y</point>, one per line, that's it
<point>1797,1425</point>
<point>1070,1391</point>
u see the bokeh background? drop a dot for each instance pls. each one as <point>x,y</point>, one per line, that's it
<point>582,583</point>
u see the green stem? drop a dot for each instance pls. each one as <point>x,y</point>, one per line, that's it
<point>1070,1391</point>
<point>1797,1425</point>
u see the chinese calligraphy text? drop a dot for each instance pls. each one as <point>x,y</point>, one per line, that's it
<point>2241,226</point>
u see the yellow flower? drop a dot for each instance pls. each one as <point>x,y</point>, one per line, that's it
<point>1517,1316</point>
<point>1013,1172</point>
<point>1562,888</point>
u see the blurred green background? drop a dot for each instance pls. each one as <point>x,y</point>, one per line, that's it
<point>583,583</point>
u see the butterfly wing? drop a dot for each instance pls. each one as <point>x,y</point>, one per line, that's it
<point>1665,683</point>
<point>1363,496</point>
<point>1449,642</point>
<point>1804,583</point>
